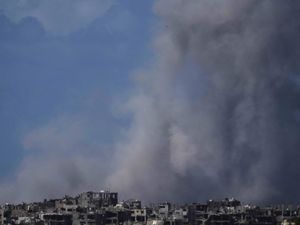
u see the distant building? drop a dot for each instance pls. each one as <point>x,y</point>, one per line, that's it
<point>164,210</point>
<point>101,208</point>
<point>138,215</point>
<point>97,199</point>
<point>1,216</point>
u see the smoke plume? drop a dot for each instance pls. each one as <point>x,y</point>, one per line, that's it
<point>217,114</point>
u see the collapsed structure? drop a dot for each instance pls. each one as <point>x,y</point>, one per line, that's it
<point>99,208</point>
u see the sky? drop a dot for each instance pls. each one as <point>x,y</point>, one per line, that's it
<point>66,59</point>
<point>158,100</point>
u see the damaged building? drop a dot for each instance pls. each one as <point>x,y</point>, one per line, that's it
<point>103,207</point>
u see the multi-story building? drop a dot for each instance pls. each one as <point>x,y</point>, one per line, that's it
<point>97,199</point>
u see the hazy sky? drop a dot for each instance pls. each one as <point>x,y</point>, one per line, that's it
<point>159,100</point>
<point>66,58</point>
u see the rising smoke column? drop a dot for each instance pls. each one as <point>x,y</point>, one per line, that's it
<point>218,112</point>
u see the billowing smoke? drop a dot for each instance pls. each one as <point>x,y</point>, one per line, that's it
<point>217,113</point>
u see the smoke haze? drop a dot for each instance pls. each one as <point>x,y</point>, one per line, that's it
<point>218,113</point>
<point>215,114</point>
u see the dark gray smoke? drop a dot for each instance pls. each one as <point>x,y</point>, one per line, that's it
<point>218,112</point>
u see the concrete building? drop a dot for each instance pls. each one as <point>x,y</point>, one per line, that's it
<point>97,199</point>
<point>139,215</point>
<point>197,213</point>
<point>1,216</point>
<point>56,219</point>
<point>180,216</point>
<point>94,218</point>
<point>99,208</point>
<point>164,210</point>
<point>67,205</point>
